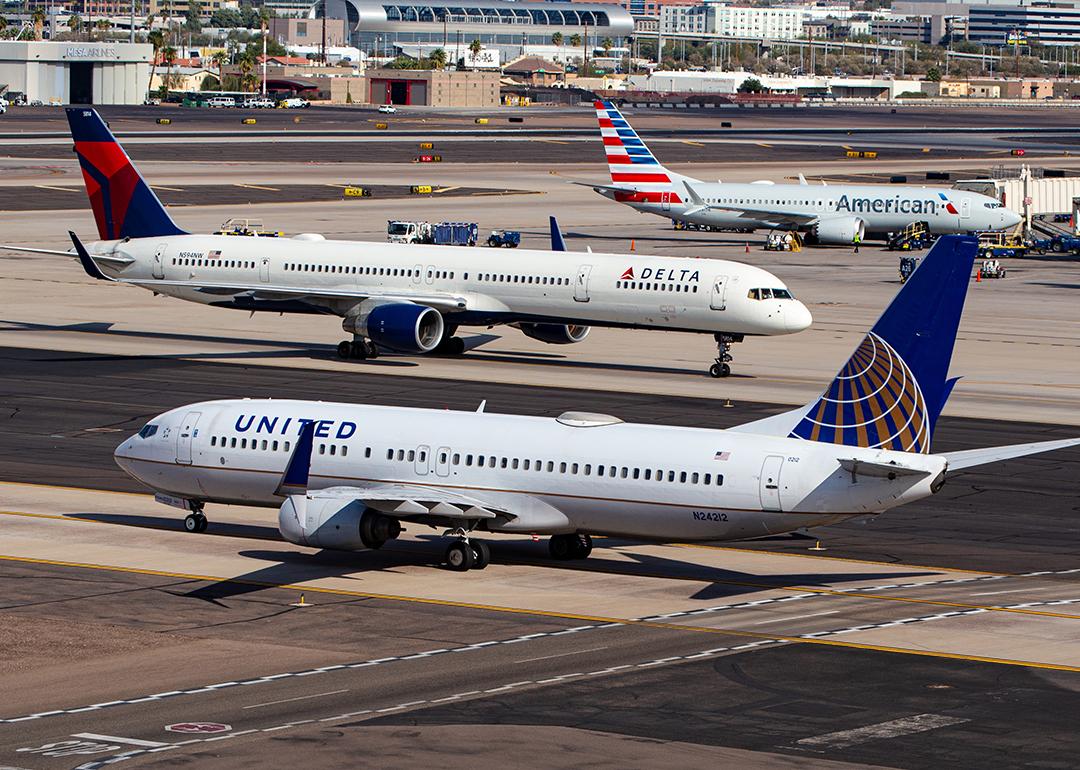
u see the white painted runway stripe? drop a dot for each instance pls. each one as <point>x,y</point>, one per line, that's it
<point>114,739</point>
<point>299,697</point>
<point>918,723</point>
<point>796,617</point>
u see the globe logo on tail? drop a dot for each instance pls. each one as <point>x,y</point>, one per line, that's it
<point>874,402</point>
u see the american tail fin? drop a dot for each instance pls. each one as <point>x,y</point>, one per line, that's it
<point>631,164</point>
<point>123,203</point>
<point>891,391</point>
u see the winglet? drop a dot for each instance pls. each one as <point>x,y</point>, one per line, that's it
<point>88,263</point>
<point>295,479</point>
<point>483,405</point>
<point>557,242</point>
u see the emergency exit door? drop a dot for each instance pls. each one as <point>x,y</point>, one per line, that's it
<point>581,283</point>
<point>718,299</point>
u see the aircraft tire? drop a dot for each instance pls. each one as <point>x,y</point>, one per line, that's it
<point>561,547</point>
<point>582,546</point>
<point>481,554</point>
<point>719,370</point>
<point>344,349</point>
<point>460,557</point>
<point>195,522</point>
<point>358,349</point>
<point>372,349</point>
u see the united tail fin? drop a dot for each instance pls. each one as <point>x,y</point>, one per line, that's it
<point>891,391</point>
<point>123,203</point>
<point>294,481</point>
<point>631,164</point>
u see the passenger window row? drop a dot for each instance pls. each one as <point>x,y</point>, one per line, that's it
<point>649,286</point>
<point>195,262</point>
<point>542,280</point>
<point>563,468</point>
<point>268,445</point>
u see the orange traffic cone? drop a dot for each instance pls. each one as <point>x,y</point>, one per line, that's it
<point>631,244</point>
<point>978,275</point>
<point>748,247</point>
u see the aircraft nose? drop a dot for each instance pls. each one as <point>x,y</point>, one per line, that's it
<point>1011,218</point>
<point>797,316</point>
<point>122,456</point>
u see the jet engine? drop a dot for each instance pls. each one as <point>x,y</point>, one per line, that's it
<point>841,230</point>
<point>397,325</point>
<point>333,522</point>
<point>555,334</point>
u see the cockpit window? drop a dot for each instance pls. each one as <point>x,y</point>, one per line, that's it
<point>770,294</point>
<point>148,430</point>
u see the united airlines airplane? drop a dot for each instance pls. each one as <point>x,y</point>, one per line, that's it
<point>413,298</point>
<point>348,477</point>
<point>831,214</point>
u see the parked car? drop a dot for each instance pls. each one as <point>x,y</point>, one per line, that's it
<point>387,109</point>
<point>3,105</point>
<point>294,103</point>
<point>151,101</point>
<point>221,101</point>
<point>259,103</point>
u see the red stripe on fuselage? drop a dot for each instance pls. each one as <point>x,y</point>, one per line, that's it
<point>619,177</point>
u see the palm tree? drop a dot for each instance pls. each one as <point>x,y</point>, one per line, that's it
<point>607,45</point>
<point>38,17</point>
<point>475,47</point>
<point>556,39</point>
<point>575,40</point>
<point>218,60</point>
<point>73,23</point>
<point>156,38</point>
<point>103,26</point>
<point>168,57</point>
<point>3,26</point>
<point>246,63</point>
<point>438,58</point>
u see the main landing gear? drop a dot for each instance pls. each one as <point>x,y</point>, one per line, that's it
<point>358,348</point>
<point>465,553</point>
<point>566,547</point>
<point>450,345</point>
<point>196,520</point>
<point>724,342</point>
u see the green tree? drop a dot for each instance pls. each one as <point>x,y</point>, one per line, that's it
<point>556,39</point>
<point>575,40</point>
<point>210,83</point>
<point>437,58</point>
<point>607,45</point>
<point>218,60</point>
<point>751,86</point>
<point>103,26</point>
<point>74,22</point>
<point>226,18</point>
<point>475,47</point>
<point>933,75</point>
<point>156,38</point>
<point>3,26</point>
<point>168,57</point>
<point>38,18</point>
<point>193,17</point>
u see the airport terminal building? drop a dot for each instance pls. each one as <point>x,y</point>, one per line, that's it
<point>509,25</point>
<point>76,73</point>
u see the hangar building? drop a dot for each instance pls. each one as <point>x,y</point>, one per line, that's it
<point>76,73</point>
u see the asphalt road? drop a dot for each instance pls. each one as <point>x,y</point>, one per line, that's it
<point>62,415</point>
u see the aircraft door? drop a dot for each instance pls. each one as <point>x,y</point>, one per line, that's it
<point>965,208</point>
<point>418,273</point>
<point>718,298</point>
<point>187,433</point>
<point>581,284</point>
<point>422,453</point>
<point>442,461</point>
<point>665,201</point>
<point>264,270</point>
<point>770,483</point>
<point>159,261</point>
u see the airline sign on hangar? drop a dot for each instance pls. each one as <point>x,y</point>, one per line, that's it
<point>485,59</point>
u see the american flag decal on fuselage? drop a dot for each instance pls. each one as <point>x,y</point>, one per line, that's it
<point>630,162</point>
<point>874,402</point>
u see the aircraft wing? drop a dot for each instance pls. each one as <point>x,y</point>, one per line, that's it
<point>57,253</point>
<point>608,187</point>
<point>405,501</point>
<point>766,213</point>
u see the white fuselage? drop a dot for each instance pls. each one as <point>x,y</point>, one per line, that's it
<point>883,208</point>
<point>602,477</point>
<point>468,286</point>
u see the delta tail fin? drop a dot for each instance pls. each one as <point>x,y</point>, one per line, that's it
<point>558,243</point>
<point>123,203</point>
<point>632,165</point>
<point>891,391</point>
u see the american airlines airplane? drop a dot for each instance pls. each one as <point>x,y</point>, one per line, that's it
<point>830,214</point>
<point>347,476</point>
<point>413,298</point>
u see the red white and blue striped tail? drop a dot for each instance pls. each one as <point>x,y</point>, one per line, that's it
<point>630,162</point>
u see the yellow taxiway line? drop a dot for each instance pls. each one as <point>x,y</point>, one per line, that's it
<point>256,187</point>
<point>548,613</point>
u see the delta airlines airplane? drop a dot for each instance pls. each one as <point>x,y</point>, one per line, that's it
<point>832,214</point>
<point>347,476</point>
<point>412,298</point>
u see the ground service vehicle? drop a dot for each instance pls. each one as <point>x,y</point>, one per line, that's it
<point>509,238</point>
<point>294,103</point>
<point>440,234</point>
<point>1059,244</point>
<point>991,268</point>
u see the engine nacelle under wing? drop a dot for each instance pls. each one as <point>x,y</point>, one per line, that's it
<point>402,326</point>
<point>332,522</point>
<point>555,334</point>
<point>839,230</point>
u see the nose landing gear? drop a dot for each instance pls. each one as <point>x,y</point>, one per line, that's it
<point>196,520</point>
<point>724,342</point>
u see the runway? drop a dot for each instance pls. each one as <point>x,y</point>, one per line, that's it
<point>945,632</point>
